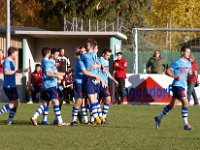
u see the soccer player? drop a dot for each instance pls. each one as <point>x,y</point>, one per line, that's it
<point>9,84</point>
<point>179,70</point>
<point>49,88</point>
<point>53,58</point>
<point>89,59</point>
<point>80,74</point>
<point>105,74</point>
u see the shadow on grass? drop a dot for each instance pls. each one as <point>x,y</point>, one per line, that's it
<point>22,123</point>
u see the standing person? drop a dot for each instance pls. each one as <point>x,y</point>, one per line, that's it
<point>49,88</point>
<point>34,87</point>
<point>179,70</point>
<point>80,74</point>
<point>104,92</point>
<point>2,58</point>
<point>89,59</point>
<point>192,81</point>
<point>68,88</point>
<point>156,64</point>
<point>64,62</point>
<point>119,68</point>
<point>9,85</point>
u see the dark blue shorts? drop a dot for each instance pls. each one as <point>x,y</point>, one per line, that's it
<point>103,92</point>
<point>49,94</point>
<point>78,90</point>
<point>91,86</point>
<point>178,92</point>
<point>11,93</point>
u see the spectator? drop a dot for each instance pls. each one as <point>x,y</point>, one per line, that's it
<point>192,81</point>
<point>2,58</point>
<point>64,62</point>
<point>156,64</point>
<point>119,68</point>
<point>33,88</point>
<point>68,86</point>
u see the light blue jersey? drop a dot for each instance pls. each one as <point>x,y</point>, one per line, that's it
<point>105,65</point>
<point>78,74</point>
<point>48,65</point>
<point>89,59</point>
<point>182,68</point>
<point>9,80</point>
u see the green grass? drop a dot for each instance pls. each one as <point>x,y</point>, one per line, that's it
<point>131,127</point>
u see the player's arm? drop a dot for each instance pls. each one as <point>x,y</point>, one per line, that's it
<point>123,66</point>
<point>192,72</point>
<point>87,73</point>
<point>53,74</point>
<point>11,72</point>
<point>95,66</point>
<point>60,73</point>
<point>170,72</point>
<point>112,78</point>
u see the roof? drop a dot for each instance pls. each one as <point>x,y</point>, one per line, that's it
<point>3,29</point>
<point>61,34</point>
<point>40,33</point>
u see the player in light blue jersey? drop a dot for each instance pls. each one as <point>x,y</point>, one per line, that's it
<point>49,88</point>
<point>54,56</point>
<point>90,61</point>
<point>104,92</point>
<point>9,85</point>
<point>179,70</point>
<point>80,75</point>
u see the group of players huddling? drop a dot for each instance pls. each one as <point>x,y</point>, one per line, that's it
<point>90,85</point>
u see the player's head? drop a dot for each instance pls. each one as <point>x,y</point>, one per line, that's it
<point>37,67</point>
<point>106,53</point>
<point>80,50</point>
<point>1,53</point>
<point>90,45</point>
<point>62,51</point>
<point>185,52</point>
<point>118,55</point>
<point>12,52</point>
<point>46,52</point>
<point>95,47</point>
<point>54,53</point>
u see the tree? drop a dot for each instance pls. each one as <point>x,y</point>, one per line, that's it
<point>2,13</point>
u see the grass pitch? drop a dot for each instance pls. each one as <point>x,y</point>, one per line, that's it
<point>131,127</point>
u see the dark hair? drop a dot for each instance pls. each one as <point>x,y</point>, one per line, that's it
<point>107,50</point>
<point>45,51</point>
<point>81,47</point>
<point>95,43</point>
<point>184,47</point>
<point>53,50</point>
<point>11,50</point>
<point>37,65</point>
<point>92,43</point>
<point>60,48</point>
